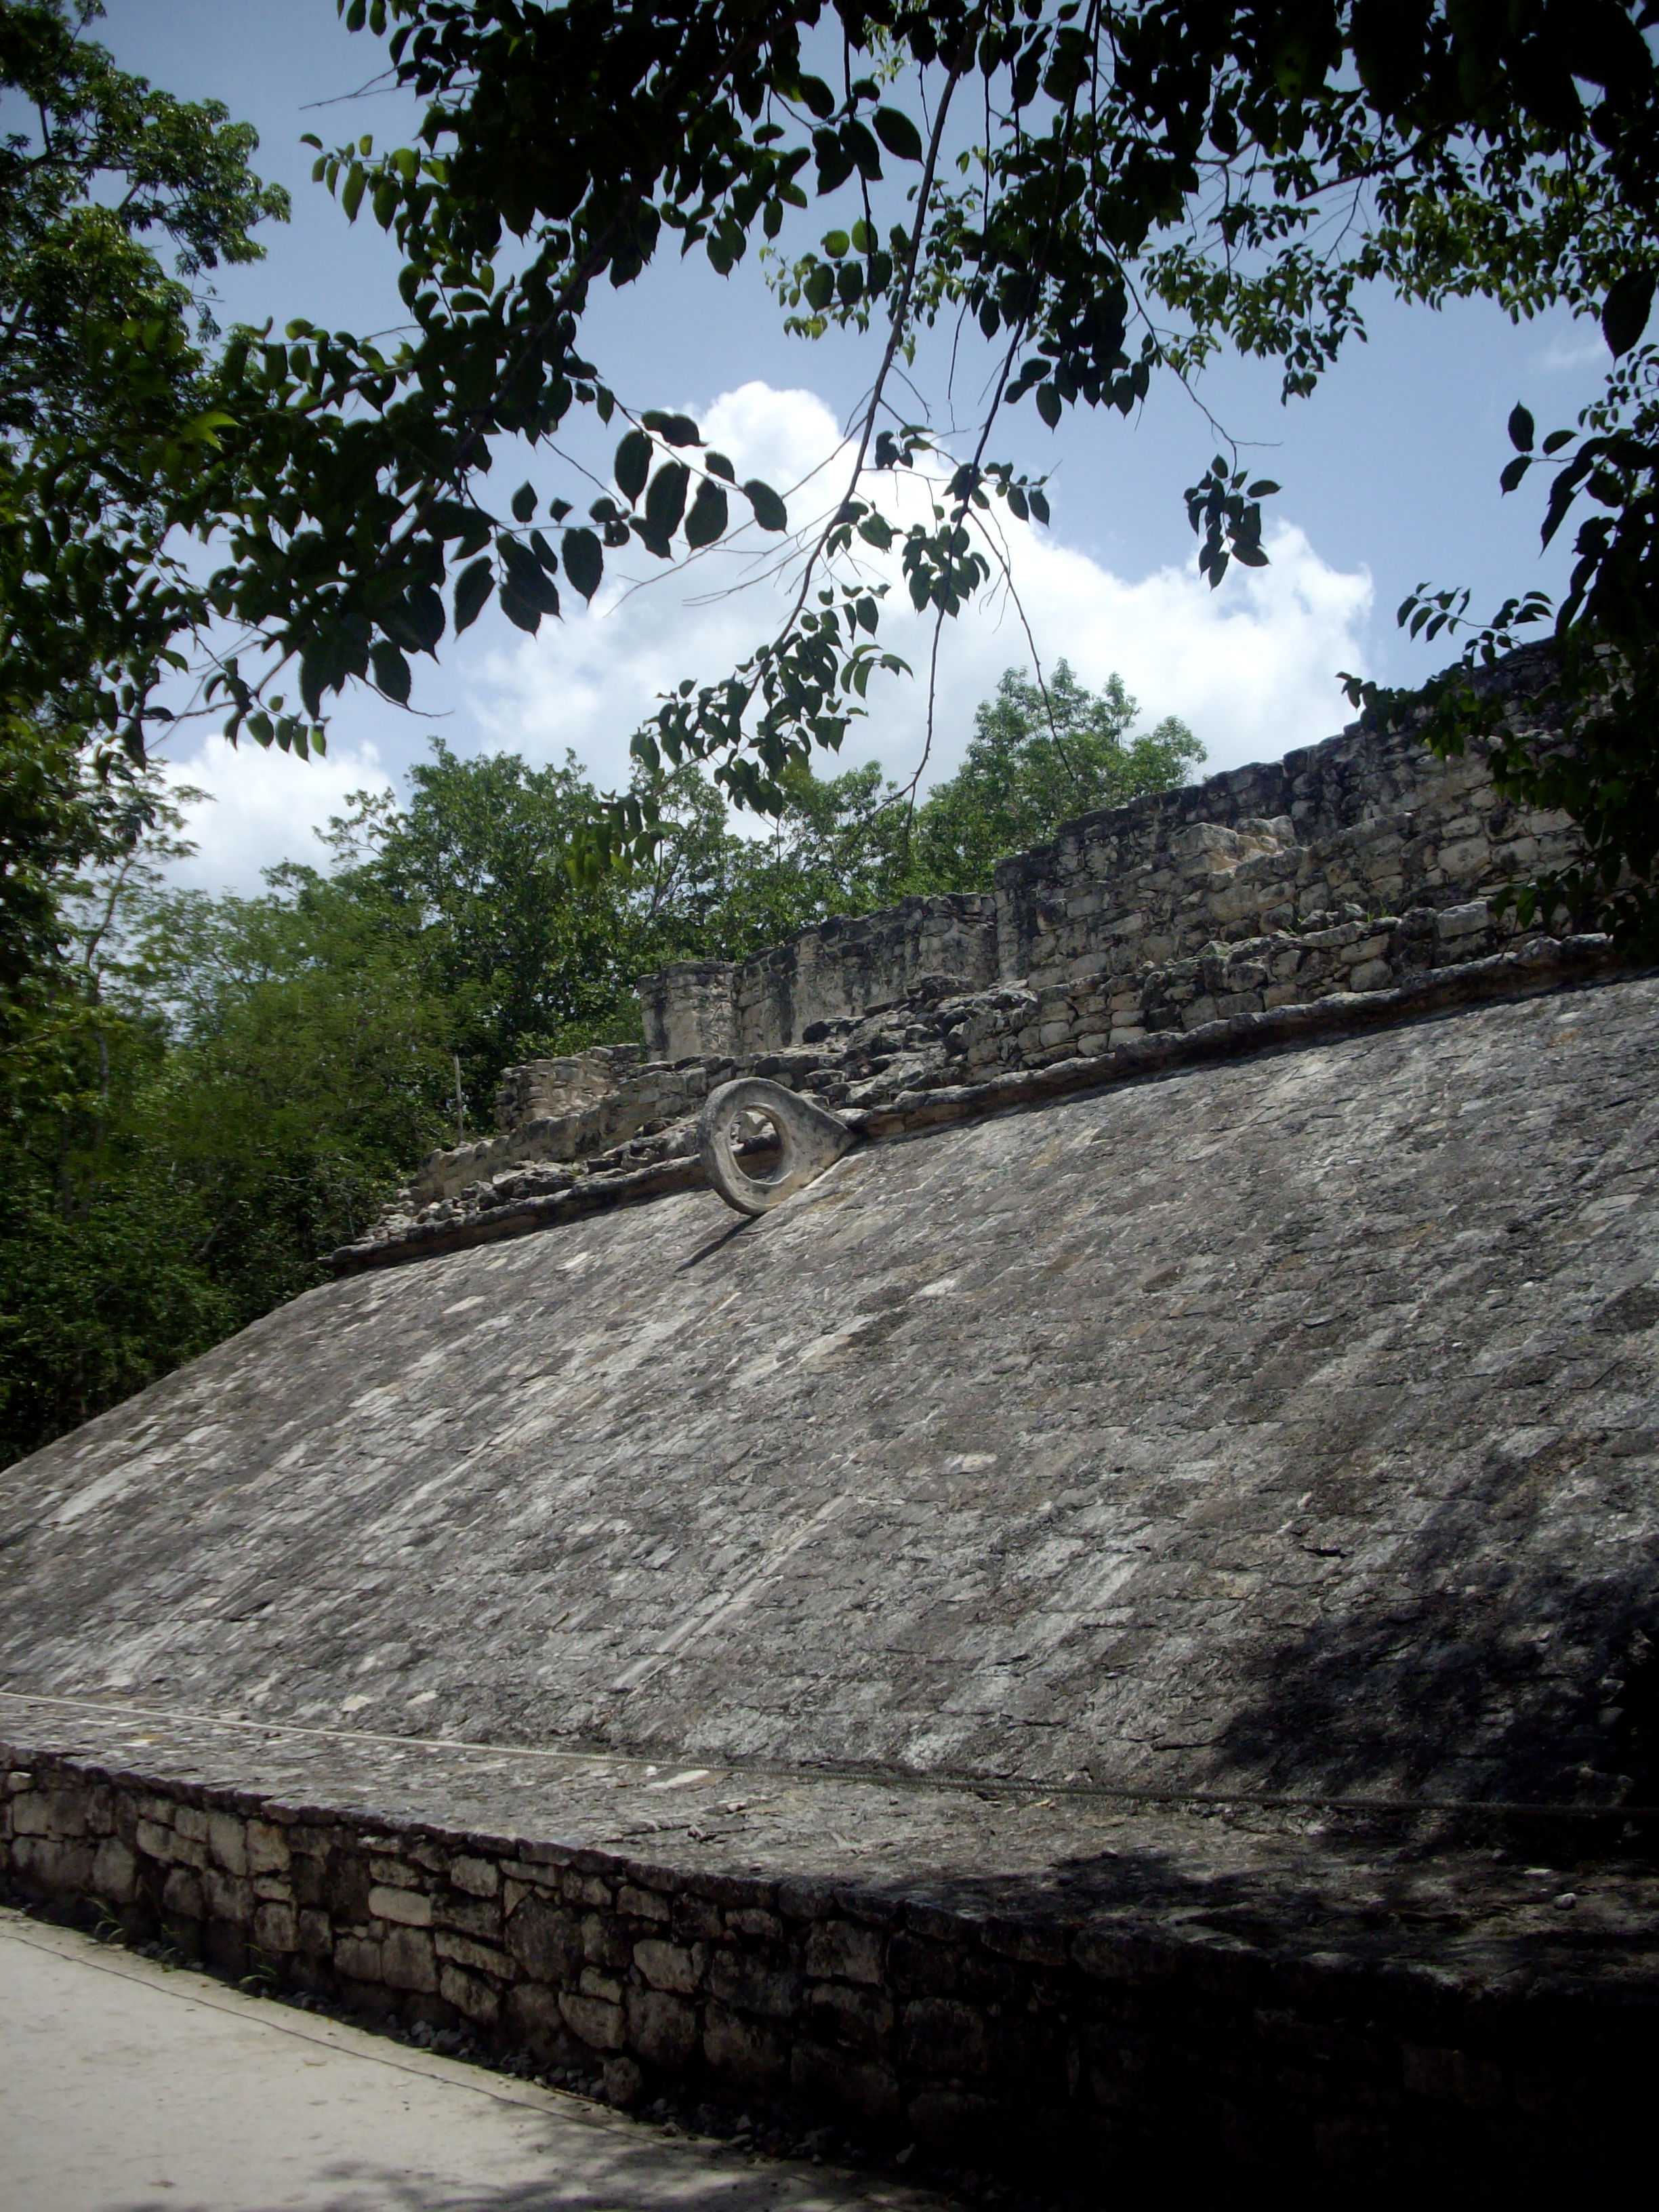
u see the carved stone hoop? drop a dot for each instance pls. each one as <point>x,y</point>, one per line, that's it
<point>809,1141</point>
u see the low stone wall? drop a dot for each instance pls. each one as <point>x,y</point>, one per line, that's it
<point>1047,2041</point>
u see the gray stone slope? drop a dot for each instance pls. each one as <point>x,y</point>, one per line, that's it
<point>1281,1426</point>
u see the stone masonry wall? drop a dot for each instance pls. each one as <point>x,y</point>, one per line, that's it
<point>1054,2046</point>
<point>842,966</point>
<point>1367,818</point>
<point>1361,820</point>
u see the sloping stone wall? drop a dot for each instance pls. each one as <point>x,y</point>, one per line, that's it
<point>1266,1421</point>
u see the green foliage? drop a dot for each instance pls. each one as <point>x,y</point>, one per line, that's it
<point>1095,195</point>
<point>109,406</point>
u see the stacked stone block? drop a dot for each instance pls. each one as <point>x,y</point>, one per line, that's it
<point>1061,2045</point>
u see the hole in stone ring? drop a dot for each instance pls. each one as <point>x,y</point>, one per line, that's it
<point>760,1145</point>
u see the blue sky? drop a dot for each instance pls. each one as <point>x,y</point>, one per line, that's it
<point>1389,477</point>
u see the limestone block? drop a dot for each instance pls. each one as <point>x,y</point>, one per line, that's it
<point>1370,976</point>
<point>266,1847</point>
<point>61,1864</point>
<point>604,1943</point>
<point>545,1939</point>
<point>181,1894</point>
<point>395,1874</point>
<point>228,1896</point>
<point>671,1966</point>
<point>661,2026</point>
<point>277,1930</point>
<point>313,1933</point>
<point>747,2051</point>
<point>227,1841</point>
<point>469,1915</point>
<point>115,1872</point>
<point>600,2025</point>
<point>477,1957</point>
<point>480,2001</point>
<point>478,1877</point>
<point>532,2017</point>
<point>740,1979</point>
<point>409,1962</point>
<point>410,1908</point>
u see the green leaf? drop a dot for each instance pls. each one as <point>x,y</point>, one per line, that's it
<point>707,520</point>
<point>391,670</point>
<point>472,587</point>
<point>528,580</point>
<point>351,198</point>
<point>519,609</point>
<point>1263,488</point>
<point>673,429</point>
<point>523,502</point>
<point>835,243</point>
<point>1039,504</point>
<point>816,97</point>
<point>898,134</point>
<point>1522,431</point>
<point>1625,312</point>
<point>1047,404</point>
<point>665,503</point>
<point>1514,471</point>
<point>633,465</point>
<point>584,561</point>
<point>769,510</point>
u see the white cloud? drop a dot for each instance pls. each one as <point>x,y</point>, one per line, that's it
<point>1251,667</point>
<point>262,807</point>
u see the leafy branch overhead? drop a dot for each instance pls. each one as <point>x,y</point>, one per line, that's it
<point>1095,194</point>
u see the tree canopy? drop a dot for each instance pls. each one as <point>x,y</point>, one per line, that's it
<point>1093,192</point>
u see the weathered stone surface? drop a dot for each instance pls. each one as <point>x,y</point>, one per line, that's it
<point>1252,1429</point>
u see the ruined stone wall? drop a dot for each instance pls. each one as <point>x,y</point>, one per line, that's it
<point>845,965</point>
<point>1365,820</point>
<point>935,1036</point>
<point>552,1090</point>
<point>1368,822</point>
